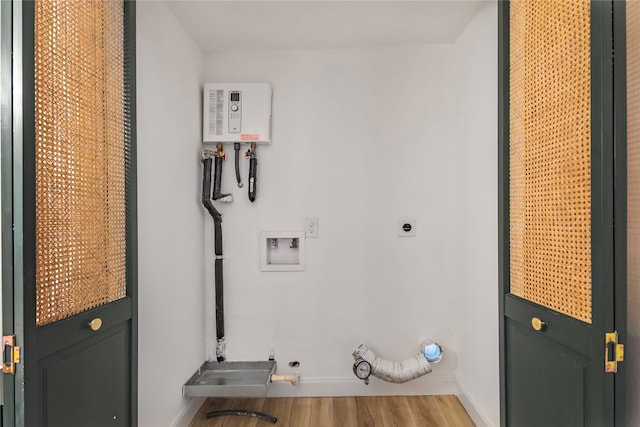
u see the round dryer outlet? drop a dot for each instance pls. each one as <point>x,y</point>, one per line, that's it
<point>406,227</point>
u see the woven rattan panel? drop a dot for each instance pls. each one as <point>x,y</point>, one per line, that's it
<point>633,206</point>
<point>80,175</point>
<point>550,154</point>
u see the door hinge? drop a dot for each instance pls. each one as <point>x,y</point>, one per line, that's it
<point>611,358</point>
<point>10,354</point>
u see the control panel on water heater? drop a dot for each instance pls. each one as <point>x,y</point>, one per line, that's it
<point>237,112</point>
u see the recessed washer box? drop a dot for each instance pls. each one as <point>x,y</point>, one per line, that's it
<point>237,112</point>
<point>282,251</point>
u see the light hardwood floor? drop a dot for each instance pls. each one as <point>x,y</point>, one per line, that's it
<point>388,411</point>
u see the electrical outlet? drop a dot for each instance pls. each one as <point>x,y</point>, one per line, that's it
<point>311,227</point>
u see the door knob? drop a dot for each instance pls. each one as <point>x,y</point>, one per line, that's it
<point>95,324</point>
<point>538,324</point>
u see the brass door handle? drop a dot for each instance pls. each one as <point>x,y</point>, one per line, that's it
<point>95,324</point>
<point>538,324</point>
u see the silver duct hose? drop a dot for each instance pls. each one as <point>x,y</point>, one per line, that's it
<point>395,372</point>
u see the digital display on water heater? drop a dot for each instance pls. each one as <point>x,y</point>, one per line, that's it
<point>235,96</point>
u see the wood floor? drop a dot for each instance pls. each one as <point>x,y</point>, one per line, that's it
<point>400,411</point>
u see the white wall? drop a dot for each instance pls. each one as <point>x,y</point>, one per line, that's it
<point>361,137</point>
<point>171,264</point>
<point>476,105</point>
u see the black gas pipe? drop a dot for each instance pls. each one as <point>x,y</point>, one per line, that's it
<point>236,148</point>
<point>253,169</point>
<point>217,181</point>
<point>217,221</point>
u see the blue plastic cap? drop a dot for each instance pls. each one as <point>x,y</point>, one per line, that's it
<point>433,352</point>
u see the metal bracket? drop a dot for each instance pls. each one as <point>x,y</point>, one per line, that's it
<point>10,354</point>
<point>618,352</point>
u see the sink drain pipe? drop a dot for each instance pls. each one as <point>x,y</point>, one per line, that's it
<point>393,371</point>
<point>217,221</point>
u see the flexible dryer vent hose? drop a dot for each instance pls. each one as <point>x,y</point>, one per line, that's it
<point>394,372</point>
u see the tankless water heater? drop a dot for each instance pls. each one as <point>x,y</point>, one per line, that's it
<point>237,112</point>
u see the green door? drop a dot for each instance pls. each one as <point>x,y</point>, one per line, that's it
<point>5,135</point>
<point>562,190</point>
<point>68,213</point>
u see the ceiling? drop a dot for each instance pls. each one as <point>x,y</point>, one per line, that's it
<point>222,26</point>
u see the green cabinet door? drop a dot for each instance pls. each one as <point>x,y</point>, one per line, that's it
<point>562,212</point>
<point>69,270</point>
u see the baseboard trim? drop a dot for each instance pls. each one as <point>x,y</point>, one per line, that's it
<point>336,387</point>
<point>472,409</point>
<point>184,418</point>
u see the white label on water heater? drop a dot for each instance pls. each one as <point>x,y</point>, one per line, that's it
<point>216,103</point>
